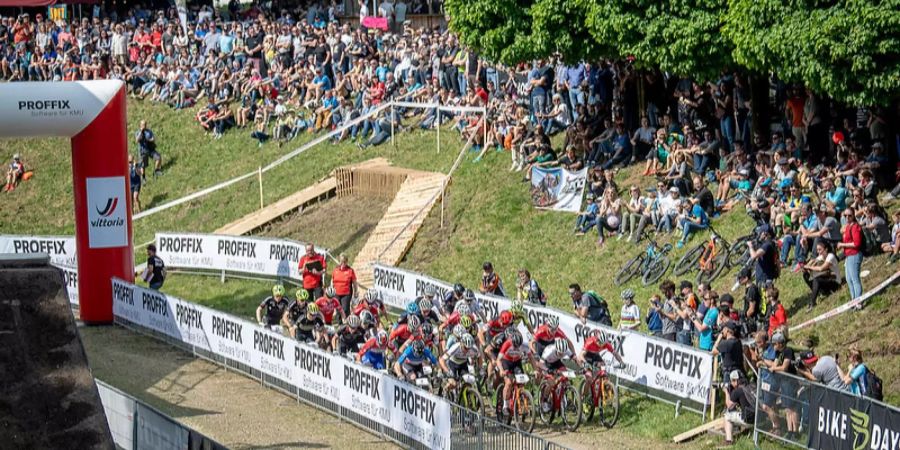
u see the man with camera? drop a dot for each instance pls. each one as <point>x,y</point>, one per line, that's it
<point>147,143</point>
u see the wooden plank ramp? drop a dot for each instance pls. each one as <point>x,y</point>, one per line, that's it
<point>257,219</point>
<point>419,192</point>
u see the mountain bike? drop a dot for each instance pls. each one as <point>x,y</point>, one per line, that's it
<point>652,264</point>
<point>522,412</point>
<point>464,392</point>
<point>599,393</point>
<point>558,395</point>
<point>710,259</point>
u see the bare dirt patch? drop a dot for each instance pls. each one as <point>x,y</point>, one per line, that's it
<point>234,410</point>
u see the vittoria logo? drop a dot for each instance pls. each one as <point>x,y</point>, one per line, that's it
<point>110,207</point>
<point>106,220</point>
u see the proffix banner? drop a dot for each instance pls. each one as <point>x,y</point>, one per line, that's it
<point>657,364</point>
<point>269,257</point>
<point>61,250</point>
<point>842,421</point>
<point>557,188</point>
<point>371,394</point>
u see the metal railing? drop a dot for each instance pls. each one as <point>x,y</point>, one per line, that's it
<point>470,430</point>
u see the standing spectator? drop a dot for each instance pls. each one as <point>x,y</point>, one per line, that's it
<point>669,311</point>
<point>822,369</point>
<point>630,317</point>
<point>343,278</point>
<point>527,289</point>
<point>654,317</point>
<point>729,347</point>
<point>135,172</point>
<point>752,301</point>
<point>400,15</point>
<point>589,306</point>
<point>312,267</point>
<point>852,246</point>
<point>766,255</point>
<point>490,281</point>
<point>704,325</point>
<point>822,274</point>
<point>155,270</point>
<point>775,310</point>
<point>783,362</point>
<point>147,143</point>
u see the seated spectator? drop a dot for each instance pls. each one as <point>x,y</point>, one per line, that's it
<point>669,206</point>
<point>546,157</point>
<point>894,247</point>
<point>571,161</point>
<point>822,275</point>
<point>696,221</point>
<point>610,215</point>
<point>801,240</point>
<point>14,173</point>
<point>636,214</point>
<point>588,218</point>
<point>557,119</point>
<point>855,376</point>
<point>740,404</point>
<point>877,228</point>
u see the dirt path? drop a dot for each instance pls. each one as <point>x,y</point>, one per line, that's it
<point>232,409</point>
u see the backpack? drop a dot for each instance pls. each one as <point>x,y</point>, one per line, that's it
<point>654,322</point>
<point>599,303</point>
<point>874,387</point>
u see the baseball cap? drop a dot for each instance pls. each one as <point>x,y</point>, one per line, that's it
<point>735,375</point>
<point>809,357</point>
<point>726,298</point>
<point>673,189</point>
<point>778,338</point>
<point>744,172</point>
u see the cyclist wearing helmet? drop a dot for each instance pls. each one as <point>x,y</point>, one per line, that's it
<point>490,281</point>
<point>631,314</point>
<point>372,352</point>
<point>455,361</point>
<point>495,327</point>
<point>411,363</point>
<point>412,309</point>
<point>462,311</point>
<point>517,308</point>
<point>458,332</point>
<point>372,303</point>
<point>295,310</point>
<point>328,305</point>
<point>473,304</point>
<point>509,360</point>
<point>427,311</point>
<point>546,334</point>
<point>448,305</point>
<point>552,357</point>
<point>308,327</point>
<point>403,332</point>
<point>593,346</point>
<point>350,336</point>
<point>368,322</point>
<point>273,307</point>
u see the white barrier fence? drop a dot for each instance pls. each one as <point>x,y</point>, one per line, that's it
<point>667,367</point>
<point>397,405</point>
<point>259,256</point>
<point>61,250</point>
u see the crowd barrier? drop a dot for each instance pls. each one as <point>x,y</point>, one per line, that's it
<point>663,369</point>
<point>135,425</point>
<point>825,418</point>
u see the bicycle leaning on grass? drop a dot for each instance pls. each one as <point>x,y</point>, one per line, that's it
<point>651,263</point>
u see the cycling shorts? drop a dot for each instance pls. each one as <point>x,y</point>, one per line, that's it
<point>510,367</point>
<point>374,360</point>
<point>457,370</point>
<point>418,369</point>
<point>555,366</point>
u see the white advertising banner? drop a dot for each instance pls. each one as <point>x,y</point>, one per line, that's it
<point>371,394</point>
<point>262,256</point>
<point>557,188</point>
<point>658,364</point>
<point>61,250</point>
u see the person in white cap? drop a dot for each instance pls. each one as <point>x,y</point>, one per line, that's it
<point>740,404</point>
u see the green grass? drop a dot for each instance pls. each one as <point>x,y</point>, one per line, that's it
<point>488,217</point>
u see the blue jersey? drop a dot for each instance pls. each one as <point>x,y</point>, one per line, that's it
<point>413,360</point>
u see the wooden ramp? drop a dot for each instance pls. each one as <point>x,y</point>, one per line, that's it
<point>257,219</point>
<point>419,192</point>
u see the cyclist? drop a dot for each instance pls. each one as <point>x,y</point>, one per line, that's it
<point>462,311</point>
<point>274,308</point>
<point>350,336</point>
<point>309,327</point>
<point>593,346</point>
<point>517,308</point>
<point>328,305</point>
<point>371,302</point>
<point>411,363</point>
<point>458,332</point>
<point>295,310</point>
<point>455,360</point>
<point>368,323</point>
<point>412,309</point>
<point>448,305</point>
<point>427,311</point>
<point>403,332</point>
<point>509,360</point>
<point>546,334</point>
<point>495,327</point>
<point>551,359</point>
<point>473,304</point>
<point>372,352</point>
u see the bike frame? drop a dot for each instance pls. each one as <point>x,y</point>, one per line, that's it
<point>559,383</point>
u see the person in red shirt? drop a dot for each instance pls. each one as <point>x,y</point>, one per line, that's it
<point>328,304</point>
<point>343,278</point>
<point>312,267</point>
<point>593,346</point>
<point>777,315</point>
<point>852,246</point>
<point>545,334</point>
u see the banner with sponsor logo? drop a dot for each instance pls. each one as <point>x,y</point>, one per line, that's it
<point>843,421</point>
<point>557,188</point>
<point>261,256</point>
<point>61,250</point>
<point>661,365</point>
<point>371,394</point>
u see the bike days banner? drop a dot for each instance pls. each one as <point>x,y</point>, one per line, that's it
<point>261,256</point>
<point>842,421</point>
<point>557,188</point>
<point>657,364</point>
<point>61,250</point>
<point>331,378</point>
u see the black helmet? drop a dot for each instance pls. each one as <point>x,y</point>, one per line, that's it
<point>516,339</point>
<point>418,348</point>
<point>469,296</point>
<point>459,289</point>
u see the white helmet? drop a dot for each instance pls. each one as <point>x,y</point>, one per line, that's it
<point>553,322</point>
<point>561,345</point>
<point>413,322</point>
<point>458,330</point>
<point>353,321</point>
<point>462,308</point>
<point>467,341</point>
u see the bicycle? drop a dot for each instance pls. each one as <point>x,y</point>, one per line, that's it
<point>710,259</point>
<point>464,392</point>
<point>522,411</point>
<point>652,264</point>
<point>557,394</point>
<point>599,392</point>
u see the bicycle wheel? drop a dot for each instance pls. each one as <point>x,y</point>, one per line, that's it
<point>470,399</point>
<point>498,408</point>
<point>689,261</point>
<point>546,411</point>
<point>739,254</point>
<point>570,408</point>
<point>655,270</point>
<point>629,270</point>
<point>587,400</point>
<point>713,269</point>
<point>609,403</point>
<point>523,411</point>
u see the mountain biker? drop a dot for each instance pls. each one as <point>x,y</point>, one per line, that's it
<point>328,304</point>
<point>372,352</point>
<point>308,327</point>
<point>427,311</point>
<point>401,333</point>
<point>412,309</point>
<point>448,303</point>
<point>551,359</point>
<point>369,323</point>
<point>455,360</point>
<point>350,336</point>
<point>474,306</point>
<point>589,306</point>
<point>545,334</point>
<point>372,303</point>
<point>273,307</point>
<point>462,311</point>
<point>411,363</point>
<point>295,310</point>
<point>517,308</point>
<point>593,346</point>
<point>495,327</point>
<point>509,360</point>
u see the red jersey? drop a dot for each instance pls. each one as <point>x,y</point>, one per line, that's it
<point>342,280</point>
<point>494,328</point>
<point>543,334</point>
<point>328,306</point>
<point>592,345</point>
<point>401,332</point>
<point>311,280</point>
<point>511,353</point>
<point>370,346</point>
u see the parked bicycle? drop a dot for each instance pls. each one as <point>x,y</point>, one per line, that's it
<point>709,259</point>
<point>558,395</point>
<point>651,264</point>
<point>599,395</point>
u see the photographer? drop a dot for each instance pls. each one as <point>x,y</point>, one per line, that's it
<point>729,347</point>
<point>752,302</point>
<point>147,143</point>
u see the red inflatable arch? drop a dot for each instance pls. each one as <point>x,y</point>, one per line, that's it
<point>92,114</point>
